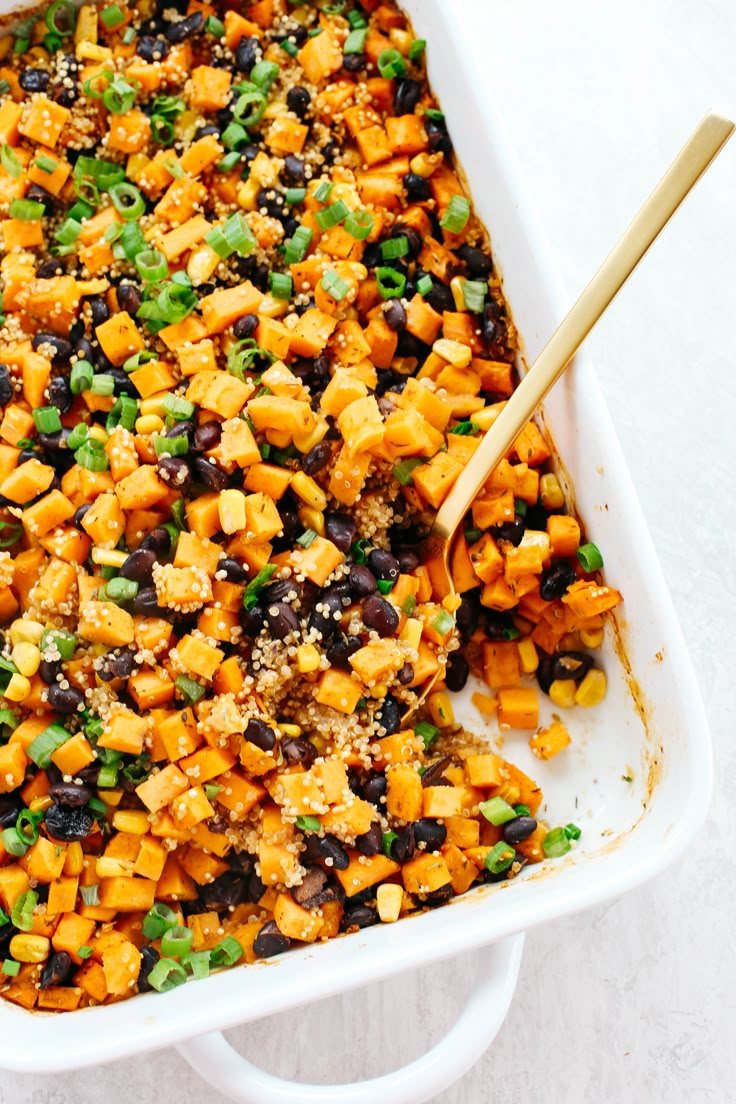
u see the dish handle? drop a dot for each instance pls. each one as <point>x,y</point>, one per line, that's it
<point>475,1028</point>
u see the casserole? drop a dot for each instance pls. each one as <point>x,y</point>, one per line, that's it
<point>630,829</point>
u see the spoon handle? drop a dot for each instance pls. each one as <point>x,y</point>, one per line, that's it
<point>684,172</point>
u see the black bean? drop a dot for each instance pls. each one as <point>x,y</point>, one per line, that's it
<point>66,793</point>
<point>247,53</point>
<point>185,28</point>
<point>374,790</point>
<point>139,565</point>
<point>457,672</point>
<point>395,315</point>
<point>341,649</point>
<point>361,580</point>
<point>281,620</point>
<point>411,346</point>
<point>294,169</point>
<point>255,888</point>
<point>330,848</point>
<point>494,325</point>
<point>129,298</point>
<point>175,472</point>
<point>439,139</point>
<point>298,100</point>
<point>34,80</point>
<point>477,262</point>
<point>341,530</point>
<point>433,775</point>
<point>408,561</point>
<point>413,237</point>
<point>370,842</point>
<point>57,970</point>
<point>251,621</point>
<point>429,833</point>
<point>61,348</point>
<point>204,131</point>
<point>260,734</point>
<point>68,824</point>
<point>65,701</point>
<point>207,436</point>
<point>383,565</point>
<point>10,807</point>
<point>438,896</point>
<point>158,541</point>
<point>517,830</point>
<point>389,715</point>
<point>468,613</point>
<point>290,524</point>
<point>353,62</point>
<point>118,664</point>
<point>417,187</point>
<point>312,885</point>
<point>330,602</point>
<point>49,268</point>
<point>209,475</point>
<point>123,384</point>
<point>48,670</point>
<point>270,201</point>
<point>184,428</point>
<point>298,751</point>
<point>225,892</point>
<point>379,615</point>
<point>571,665</point>
<point>316,459</point>
<point>149,958</point>
<point>404,847</point>
<point>405,675</point>
<point>440,297</point>
<point>145,604</point>
<point>84,350</point>
<point>233,569</point>
<point>358,916</point>
<point>63,94</point>
<point>6,386</point>
<point>98,309</point>
<point>151,49</point>
<point>406,96</point>
<point>556,580</point>
<point>60,394</point>
<point>270,941</point>
<point>511,531</point>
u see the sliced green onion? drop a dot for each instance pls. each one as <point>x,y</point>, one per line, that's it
<point>334,286</point>
<point>443,623</point>
<point>21,45</point>
<point>128,201</point>
<point>13,843</point>
<point>227,952</point>
<point>425,285</point>
<point>355,42</point>
<point>112,16</point>
<point>107,776</point>
<point>212,790</point>
<point>263,74</point>
<point>308,823</point>
<point>281,285</point>
<point>589,557</point>
<point>307,539</point>
<point>556,843</point>
<point>80,211</point>
<point>27,210</point>
<point>27,826</point>
<point>22,911</point>
<point>138,359</point>
<point>102,385</point>
<point>433,113</point>
<point>10,967</point>
<point>118,590</point>
<point>332,215</point>
<point>177,941</point>
<point>385,586</point>
<point>391,64</point>
<point>159,919</point>
<point>171,446</point>
<point>46,743</point>
<point>9,719</point>
<point>464,429</point>
<point>289,47</point>
<point>391,284</point>
<point>474,295</point>
<point>132,240</point>
<point>256,585</point>
<point>4,87</point>
<point>61,18</point>
<point>103,173</point>
<point>417,48</point>
<point>573,832</point>
<point>359,224</point>
<point>404,470</point>
<point>249,109</point>
<point>68,232</point>
<point>129,35</point>
<point>214,26</point>
<point>57,641</point>
<point>52,42</point>
<point>89,88</point>
<point>189,689</point>
<point>295,195</point>
<point>10,162</point>
<point>9,535</point>
<point>510,632</point>
<point>322,191</point>
<point>522,810</point>
<point>166,975</point>
<point>228,162</point>
<point>356,19</point>
<point>456,215</point>
<point>177,407</point>
<point>239,234</point>
<point>427,732</point>
<point>360,550</point>
<point>80,378</point>
<point>120,96</point>
<point>233,136</point>
<point>499,858</point>
<point>152,266</point>
<point>47,419</point>
<point>162,130</point>
<point>217,241</point>
<point>91,458</point>
<point>394,248</point>
<point>173,166</point>
<point>169,107</point>
<point>84,951</point>
<point>409,605</point>
<point>497,811</point>
<point>336,7</point>
<point>386,842</point>
<point>198,962</point>
<point>298,245</point>
<point>520,507</point>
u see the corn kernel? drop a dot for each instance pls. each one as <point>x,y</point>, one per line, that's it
<point>591,638</point>
<point>22,631</point>
<point>562,693</point>
<point>231,511</point>
<point>550,492</point>
<point>137,162</point>
<point>308,491</point>
<point>592,690</point>
<point>148,424</point>
<point>18,688</point>
<point>86,27</point>
<point>454,352</point>
<point>202,264</point>
<point>388,902</point>
<point>401,39</point>
<point>270,307</point>
<point>440,709</point>
<point>485,418</point>
<point>108,557</point>
<point>312,519</point>
<point>528,657</point>
<point>458,293</point>
<point>134,821</point>
<point>107,866</point>
<point>98,433</point>
<point>74,861</point>
<point>91,51</point>
<point>290,729</point>
<point>424,164</point>
<point>452,602</point>
<point>27,658</point>
<point>154,404</point>
<point>247,194</point>
<point>30,948</point>
<point>411,633</point>
<point>307,658</point>
<point>41,804</point>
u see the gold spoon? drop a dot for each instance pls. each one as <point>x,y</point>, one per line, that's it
<point>684,172</point>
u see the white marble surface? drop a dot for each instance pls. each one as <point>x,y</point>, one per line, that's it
<point>631,1001</point>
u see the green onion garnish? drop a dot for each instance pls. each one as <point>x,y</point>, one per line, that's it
<point>226,953</point>
<point>322,191</point>
<point>9,161</point>
<point>177,941</point>
<point>84,951</point>
<point>159,919</point>
<point>386,841</point>
<point>295,195</point>
<point>497,811</point>
<point>427,732</point>
<point>308,823</point>
<point>307,539</point>
<point>556,843</point>
<point>254,587</point>
<point>22,912</point>
<point>281,285</point>
<point>589,557</point>
<point>298,245</point>
<point>127,200</point>
<point>417,48</point>
<point>355,42</point>
<point>391,284</point>
<point>289,47</point>
<point>189,689</point>
<point>359,224</point>
<point>332,215</point>
<point>356,18</point>
<point>443,623</point>
<point>68,232</point>
<point>573,832</point>
<point>27,210</point>
<point>409,605</point>
<point>385,586</point>
<point>263,74</point>
<point>45,744</point>
<point>214,26</point>
<point>118,590</point>
<point>10,967</point>
<point>48,419</point>
<point>499,858</point>
<point>198,962</point>
<point>166,975</point>
<point>424,285</point>
<point>391,64</point>
<point>13,843</point>
<point>394,248</point>
<point>56,641</point>
<point>456,216</point>
<point>404,470</point>
<point>89,88</point>
<point>177,407</point>
<point>80,378</point>
<point>112,16</point>
<point>522,810</point>
<point>102,385</point>
<point>474,295</point>
<point>92,456</point>
<point>61,18</point>
<point>334,286</point>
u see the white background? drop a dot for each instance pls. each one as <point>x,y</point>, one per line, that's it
<point>634,1001</point>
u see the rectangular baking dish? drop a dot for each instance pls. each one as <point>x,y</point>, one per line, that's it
<point>651,728</point>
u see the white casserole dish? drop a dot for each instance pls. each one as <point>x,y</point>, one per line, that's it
<point>651,727</point>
